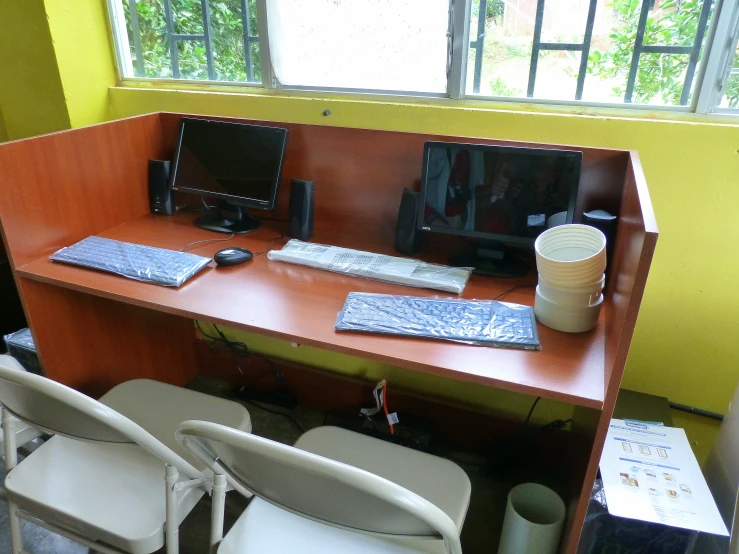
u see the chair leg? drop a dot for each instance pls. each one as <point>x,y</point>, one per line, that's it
<point>16,538</point>
<point>217,511</point>
<point>11,460</point>
<point>172,527</point>
<point>11,452</point>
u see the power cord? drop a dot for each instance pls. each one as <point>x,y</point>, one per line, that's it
<point>189,246</point>
<point>510,290</point>
<point>186,248</point>
<point>282,235</point>
<point>531,411</point>
<point>288,417</point>
<point>239,350</point>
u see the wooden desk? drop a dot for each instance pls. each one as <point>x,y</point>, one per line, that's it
<point>300,304</point>
<point>95,330</point>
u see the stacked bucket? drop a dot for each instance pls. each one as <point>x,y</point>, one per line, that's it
<point>571,261</point>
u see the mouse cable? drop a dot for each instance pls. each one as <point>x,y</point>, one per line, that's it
<point>510,290</point>
<point>186,248</point>
<point>282,235</point>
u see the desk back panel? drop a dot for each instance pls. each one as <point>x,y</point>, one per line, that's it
<point>360,173</point>
<point>60,188</point>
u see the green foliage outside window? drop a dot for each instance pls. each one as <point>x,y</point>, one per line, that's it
<point>227,34</point>
<point>659,77</point>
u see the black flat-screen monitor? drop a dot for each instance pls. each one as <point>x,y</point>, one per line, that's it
<point>236,163</point>
<point>499,194</point>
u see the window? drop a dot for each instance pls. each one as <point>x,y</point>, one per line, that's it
<point>189,39</point>
<point>672,54</point>
<point>611,51</point>
<point>730,96</point>
<point>367,44</point>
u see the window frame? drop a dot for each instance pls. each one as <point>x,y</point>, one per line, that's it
<point>712,72</point>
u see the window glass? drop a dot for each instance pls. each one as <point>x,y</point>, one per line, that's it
<point>393,45</point>
<point>503,38</point>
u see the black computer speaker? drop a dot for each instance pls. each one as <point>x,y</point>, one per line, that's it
<point>407,234</point>
<point>161,198</point>
<point>300,218</point>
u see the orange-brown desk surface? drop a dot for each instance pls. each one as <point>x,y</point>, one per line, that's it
<point>300,304</point>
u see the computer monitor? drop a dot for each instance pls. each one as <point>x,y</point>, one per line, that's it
<point>236,163</point>
<point>502,196</point>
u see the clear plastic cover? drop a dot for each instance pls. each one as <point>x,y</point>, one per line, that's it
<point>22,338</point>
<point>135,261</point>
<point>480,322</point>
<point>603,532</point>
<point>392,269</point>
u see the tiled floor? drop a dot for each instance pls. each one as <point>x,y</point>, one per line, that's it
<point>480,533</point>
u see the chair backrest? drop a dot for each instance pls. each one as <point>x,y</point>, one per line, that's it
<point>313,486</point>
<point>58,409</point>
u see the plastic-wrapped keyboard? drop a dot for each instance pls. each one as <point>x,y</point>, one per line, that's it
<point>481,322</point>
<point>135,261</point>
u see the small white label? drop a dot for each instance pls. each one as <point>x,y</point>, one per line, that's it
<point>392,418</point>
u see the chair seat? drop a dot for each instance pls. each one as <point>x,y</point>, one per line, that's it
<point>441,482</point>
<point>267,529</point>
<point>112,493</point>
<point>160,408</point>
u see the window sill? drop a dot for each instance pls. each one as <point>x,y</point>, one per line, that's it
<point>544,107</point>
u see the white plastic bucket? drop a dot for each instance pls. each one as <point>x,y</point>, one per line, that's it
<point>569,319</point>
<point>571,255</point>
<point>560,218</point>
<point>534,518</point>
<point>573,295</point>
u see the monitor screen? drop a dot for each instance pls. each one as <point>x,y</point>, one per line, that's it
<point>497,192</point>
<point>236,162</point>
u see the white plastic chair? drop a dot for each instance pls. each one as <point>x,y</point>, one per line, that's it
<point>104,480</point>
<point>23,433</point>
<point>311,504</point>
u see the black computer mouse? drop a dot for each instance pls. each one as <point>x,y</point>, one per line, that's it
<point>232,256</point>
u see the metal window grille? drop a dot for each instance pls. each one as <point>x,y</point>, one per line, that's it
<point>584,48</point>
<point>250,38</point>
<point>707,98</point>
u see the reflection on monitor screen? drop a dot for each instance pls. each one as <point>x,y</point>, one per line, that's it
<point>238,162</point>
<point>479,190</point>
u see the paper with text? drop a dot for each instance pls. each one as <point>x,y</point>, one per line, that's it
<point>650,473</point>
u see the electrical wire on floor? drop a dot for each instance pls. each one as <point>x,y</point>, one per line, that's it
<point>239,350</point>
<point>288,417</point>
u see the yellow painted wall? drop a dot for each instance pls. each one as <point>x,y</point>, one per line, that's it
<point>84,58</point>
<point>57,65</point>
<point>3,132</point>
<point>31,94</point>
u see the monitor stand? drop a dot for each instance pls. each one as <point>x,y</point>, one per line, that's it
<point>493,260</point>
<point>227,218</point>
